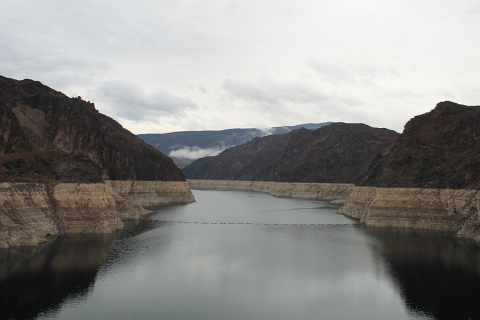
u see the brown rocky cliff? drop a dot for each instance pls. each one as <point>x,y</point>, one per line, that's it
<point>11,136</point>
<point>439,149</point>
<point>55,155</point>
<point>429,179</point>
<point>337,153</point>
<point>45,125</point>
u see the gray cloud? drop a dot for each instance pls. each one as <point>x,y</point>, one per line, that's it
<point>273,92</point>
<point>202,89</point>
<point>474,10</point>
<point>351,74</point>
<point>264,63</point>
<point>131,102</point>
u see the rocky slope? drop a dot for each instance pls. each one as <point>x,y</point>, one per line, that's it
<point>179,145</point>
<point>65,168</point>
<point>337,153</point>
<point>47,136</point>
<point>439,149</point>
<point>429,179</point>
<point>29,212</point>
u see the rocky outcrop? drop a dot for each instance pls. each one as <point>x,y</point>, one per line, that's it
<point>429,179</point>
<point>29,212</point>
<point>49,137</point>
<point>438,149</point>
<point>429,209</point>
<point>337,153</point>
<point>153,193</point>
<point>65,168</point>
<point>314,191</point>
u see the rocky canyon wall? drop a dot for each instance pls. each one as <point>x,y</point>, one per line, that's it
<point>417,208</point>
<point>29,212</point>
<point>314,191</point>
<point>428,209</point>
<point>152,193</point>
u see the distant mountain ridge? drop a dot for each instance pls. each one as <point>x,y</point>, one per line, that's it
<point>185,146</point>
<point>337,153</point>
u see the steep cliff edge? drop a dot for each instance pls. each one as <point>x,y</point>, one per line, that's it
<point>430,209</point>
<point>438,149</point>
<point>49,137</point>
<point>65,168</point>
<point>29,212</point>
<point>337,153</point>
<point>429,179</point>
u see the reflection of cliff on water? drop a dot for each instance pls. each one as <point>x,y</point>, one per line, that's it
<point>437,274</point>
<point>39,279</point>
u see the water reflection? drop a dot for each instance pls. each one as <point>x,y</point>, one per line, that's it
<point>154,269</point>
<point>39,279</point>
<point>436,274</point>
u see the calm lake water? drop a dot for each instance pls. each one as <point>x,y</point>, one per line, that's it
<point>333,269</point>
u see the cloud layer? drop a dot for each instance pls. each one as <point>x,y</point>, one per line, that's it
<point>163,66</point>
<point>133,103</point>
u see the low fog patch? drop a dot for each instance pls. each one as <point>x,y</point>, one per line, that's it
<point>195,152</point>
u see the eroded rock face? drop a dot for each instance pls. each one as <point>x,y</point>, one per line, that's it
<point>29,212</point>
<point>429,179</point>
<point>428,209</point>
<point>57,156</point>
<point>337,153</point>
<point>45,133</point>
<point>438,149</point>
<point>314,191</point>
<point>153,193</point>
<point>208,139</point>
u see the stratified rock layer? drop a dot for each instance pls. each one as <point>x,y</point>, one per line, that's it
<point>29,212</point>
<point>153,193</point>
<point>429,179</point>
<point>316,191</point>
<point>429,209</point>
<point>65,168</point>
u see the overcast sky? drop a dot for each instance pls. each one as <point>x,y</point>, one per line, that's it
<point>174,65</point>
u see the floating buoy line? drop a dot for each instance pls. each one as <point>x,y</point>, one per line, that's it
<point>260,223</point>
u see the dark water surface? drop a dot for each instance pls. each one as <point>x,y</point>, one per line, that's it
<point>335,269</point>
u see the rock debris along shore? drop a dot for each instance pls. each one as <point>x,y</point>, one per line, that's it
<point>427,209</point>
<point>66,168</point>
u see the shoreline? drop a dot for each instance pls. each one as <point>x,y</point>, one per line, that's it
<point>30,212</point>
<point>415,208</point>
<point>336,192</point>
